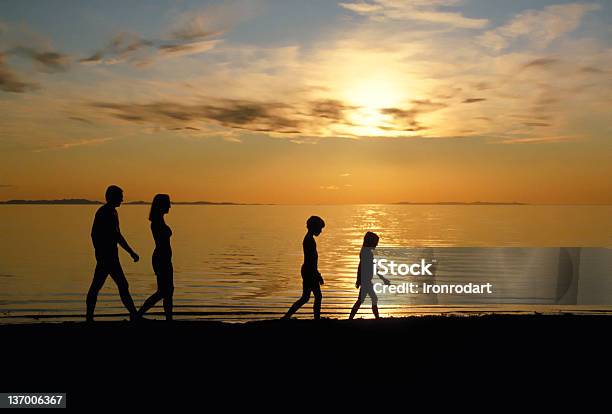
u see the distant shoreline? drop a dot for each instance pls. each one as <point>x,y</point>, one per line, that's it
<point>460,203</point>
<point>83,201</point>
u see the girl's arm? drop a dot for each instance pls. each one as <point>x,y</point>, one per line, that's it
<point>384,279</point>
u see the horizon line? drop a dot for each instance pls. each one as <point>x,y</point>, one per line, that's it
<point>84,201</point>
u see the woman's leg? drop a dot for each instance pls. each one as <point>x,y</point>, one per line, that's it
<point>159,294</point>
<point>169,291</point>
<point>149,303</point>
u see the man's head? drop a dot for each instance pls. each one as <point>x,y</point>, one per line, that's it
<point>315,225</point>
<point>114,196</point>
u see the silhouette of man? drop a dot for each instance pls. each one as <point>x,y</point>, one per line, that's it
<point>105,235</point>
<point>311,277</point>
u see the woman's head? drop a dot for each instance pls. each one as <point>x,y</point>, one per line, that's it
<point>159,206</point>
<point>370,240</point>
<point>315,225</point>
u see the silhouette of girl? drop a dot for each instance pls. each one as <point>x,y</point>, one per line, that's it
<point>365,273</point>
<point>162,256</point>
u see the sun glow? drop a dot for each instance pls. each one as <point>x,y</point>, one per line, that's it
<point>369,97</point>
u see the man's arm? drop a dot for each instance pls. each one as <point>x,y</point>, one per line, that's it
<point>124,244</point>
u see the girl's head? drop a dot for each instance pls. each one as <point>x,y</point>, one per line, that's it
<point>370,240</point>
<point>159,206</point>
<point>315,225</point>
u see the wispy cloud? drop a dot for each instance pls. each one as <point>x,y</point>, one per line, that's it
<point>19,42</point>
<point>45,61</point>
<point>79,143</point>
<point>539,27</point>
<point>192,32</point>
<point>256,116</point>
<point>414,10</point>
<point>10,81</point>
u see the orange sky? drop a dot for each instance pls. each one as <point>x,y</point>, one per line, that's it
<point>367,102</point>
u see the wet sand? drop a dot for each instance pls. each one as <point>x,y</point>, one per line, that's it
<point>89,359</point>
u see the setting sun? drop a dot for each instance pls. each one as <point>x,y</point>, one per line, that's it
<point>368,98</point>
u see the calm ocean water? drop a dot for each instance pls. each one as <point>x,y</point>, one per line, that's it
<point>242,262</point>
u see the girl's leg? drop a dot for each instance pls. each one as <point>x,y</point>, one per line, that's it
<point>357,305</point>
<point>355,308</point>
<point>374,302</point>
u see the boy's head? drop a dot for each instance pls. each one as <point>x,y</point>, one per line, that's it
<point>114,195</point>
<point>315,225</point>
<point>370,240</point>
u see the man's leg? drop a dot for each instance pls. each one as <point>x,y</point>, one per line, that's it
<point>122,284</point>
<point>92,296</point>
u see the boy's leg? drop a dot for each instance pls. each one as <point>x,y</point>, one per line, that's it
<point>306,288</point>
<point>96,284</point>
<point>122,284</point>
<point>316,308</point>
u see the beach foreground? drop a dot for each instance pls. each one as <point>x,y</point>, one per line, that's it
<point>88,360</point>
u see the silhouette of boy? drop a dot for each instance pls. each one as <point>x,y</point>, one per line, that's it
<point>105,235</point>
<point>311,278</point>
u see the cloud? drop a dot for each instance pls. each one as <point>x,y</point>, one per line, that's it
<point>10,81</point>
<point>193,32</point>
<point>406,119</point>
<point>539,27</point>
<point>213,20</point>
<point>249,115</point>
<point>122,47</point>
<point>414,10</point>
<point>18,41</point>
<point>46,61</point>
<point>7,186</point>
<point>78,143</point>
<point>131,48</point>
<point>473,100</point>
<point>540,139</point>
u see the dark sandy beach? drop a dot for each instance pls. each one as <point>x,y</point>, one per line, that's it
<point>86,360</point>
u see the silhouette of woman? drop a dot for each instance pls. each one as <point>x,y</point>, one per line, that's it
<point>162,256</point>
